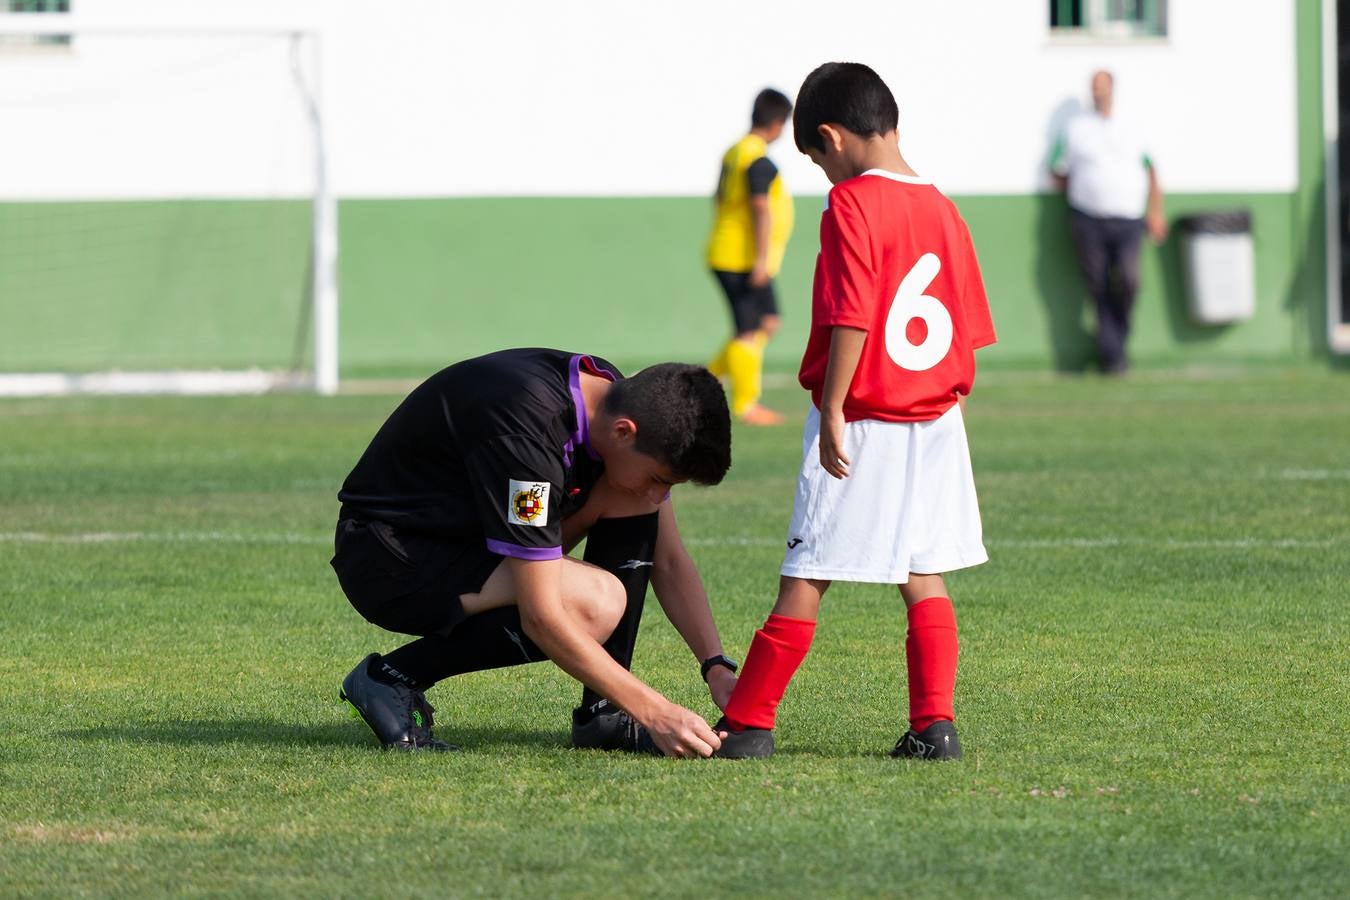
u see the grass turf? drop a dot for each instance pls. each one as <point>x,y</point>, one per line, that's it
<point>1152,695</point>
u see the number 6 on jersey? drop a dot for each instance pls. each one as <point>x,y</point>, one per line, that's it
<point>912,303</point>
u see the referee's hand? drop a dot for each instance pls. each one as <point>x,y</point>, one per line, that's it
<point>681,732</point>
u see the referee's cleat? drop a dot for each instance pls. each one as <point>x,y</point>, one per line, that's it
<point>937,741</point>
<point>748,743</point>
<point>603,726</point>
<point>399,715</point>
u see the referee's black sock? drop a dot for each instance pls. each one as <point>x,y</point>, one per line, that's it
<point>625,548</point>
<point>495,640</point>
<point>490,640</point>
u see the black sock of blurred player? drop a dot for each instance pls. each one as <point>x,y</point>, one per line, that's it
<point>494,639</point>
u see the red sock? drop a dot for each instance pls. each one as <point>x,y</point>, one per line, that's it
<point>930,651</point>
<point>775,653</point>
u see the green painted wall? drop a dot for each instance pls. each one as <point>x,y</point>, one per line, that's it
<point>1041,307</point>
<point>426,281</point>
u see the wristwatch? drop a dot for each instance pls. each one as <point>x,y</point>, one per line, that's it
<point>720,659</point>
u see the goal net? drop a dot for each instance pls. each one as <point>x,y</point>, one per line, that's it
<point>165,223</point>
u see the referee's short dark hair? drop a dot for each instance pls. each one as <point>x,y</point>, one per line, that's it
<point>842,93</point>
<point>770,107</point>
<point>681,416</point>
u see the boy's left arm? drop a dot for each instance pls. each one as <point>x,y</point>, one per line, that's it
<point>679,589</point>
<point>846,345</point>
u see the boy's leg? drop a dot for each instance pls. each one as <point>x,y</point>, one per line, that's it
<point>775,653</point>
<point>931,651</point>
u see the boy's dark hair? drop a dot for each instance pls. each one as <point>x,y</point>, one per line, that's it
<point>847,94</point>
<point>682,418</point>
<point>770,106</point>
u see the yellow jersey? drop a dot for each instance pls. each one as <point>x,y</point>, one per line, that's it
<point>746,169</point>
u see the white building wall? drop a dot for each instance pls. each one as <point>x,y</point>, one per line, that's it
<point>612,97</point>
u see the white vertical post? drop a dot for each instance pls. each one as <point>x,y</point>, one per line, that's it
<point>1338,332</point>
<point>325,235</point>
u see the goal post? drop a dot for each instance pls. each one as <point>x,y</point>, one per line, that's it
<point>167,222</point>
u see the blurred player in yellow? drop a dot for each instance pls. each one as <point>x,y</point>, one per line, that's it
<point>751,226</point>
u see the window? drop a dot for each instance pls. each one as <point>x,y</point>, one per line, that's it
<point>32,41</point>
<point>1108,18</point>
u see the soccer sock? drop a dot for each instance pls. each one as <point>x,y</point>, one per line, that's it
<point>930,653</point>
<point>745,360</point>
<point>379,669</point>
<point>623,547</point>
<point>775,653</point>
<point>718,366</point>
<point>493,639</point>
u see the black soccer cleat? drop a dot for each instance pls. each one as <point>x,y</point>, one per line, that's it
<point>399,715</point>
<point>749,743</point>
<point>603,726</point>
<point>937,741</point>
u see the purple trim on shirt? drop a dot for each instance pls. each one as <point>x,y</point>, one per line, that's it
<point>596,369</point>
<point>502,548</point>
<point>583,430</point>
<point>582,436</point>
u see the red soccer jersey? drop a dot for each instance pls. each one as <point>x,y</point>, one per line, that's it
<point>896,260</point>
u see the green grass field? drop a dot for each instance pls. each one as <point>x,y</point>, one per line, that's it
<point>1154,693</point>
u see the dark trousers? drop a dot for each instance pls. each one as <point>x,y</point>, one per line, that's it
<point>1108,252</point>
<point>494,639</point>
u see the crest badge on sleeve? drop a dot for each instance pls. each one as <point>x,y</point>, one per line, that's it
<point>528,504</point>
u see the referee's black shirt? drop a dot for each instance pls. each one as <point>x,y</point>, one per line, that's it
<point>494,448</point>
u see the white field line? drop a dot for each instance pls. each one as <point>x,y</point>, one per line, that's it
<point>161,537</point>
<point>1081,543</point>
<point>1314,475</point>
<point>1169,543</point>
<point>241,537</point>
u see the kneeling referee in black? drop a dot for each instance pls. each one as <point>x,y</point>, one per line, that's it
<point>456,521</point>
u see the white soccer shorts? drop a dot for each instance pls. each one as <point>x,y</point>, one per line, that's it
<point>907,505</point>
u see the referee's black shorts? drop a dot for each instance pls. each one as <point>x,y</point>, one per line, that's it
<point>407,582</point>
<point>749,304</point>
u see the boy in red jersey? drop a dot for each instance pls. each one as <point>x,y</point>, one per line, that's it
<point>885,493</point>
